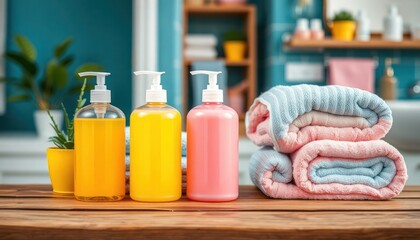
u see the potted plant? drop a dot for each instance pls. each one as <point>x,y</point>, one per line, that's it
<point>47,89</point>
<point>343,26</point>
<point>234,45</point>
<point>61,157</point>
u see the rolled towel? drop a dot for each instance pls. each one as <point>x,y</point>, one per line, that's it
<point>127,140</point>
<point>329,169</point>
<point>201,40</point>
<point>288,117</point>
<point>184,144</point>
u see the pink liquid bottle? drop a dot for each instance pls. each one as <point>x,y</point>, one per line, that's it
<point>212,147</point>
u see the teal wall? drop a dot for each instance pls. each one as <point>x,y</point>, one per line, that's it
<point>101,32</point>
<point>170,49</point>
<point>280,21</point>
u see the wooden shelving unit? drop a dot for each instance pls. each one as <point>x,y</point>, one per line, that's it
<point>374,43</point>
<point>248,14</point>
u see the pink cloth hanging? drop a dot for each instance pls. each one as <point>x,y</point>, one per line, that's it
<point>352,72</point>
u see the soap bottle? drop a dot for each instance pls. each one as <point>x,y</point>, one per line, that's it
<point>389,82</point>
<point>363,26</point>
<point>212,147</point>
<point>393,25</point>
<point>317,33</point>
<point>302,30</point>
<point>99,144</point>
<point>155,147</point>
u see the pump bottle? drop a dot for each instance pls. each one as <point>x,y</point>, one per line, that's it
<point>155,147</point>
<point>212,147</point>
<point>99,138</point>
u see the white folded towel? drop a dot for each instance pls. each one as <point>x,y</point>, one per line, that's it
<point>202,53</point>
<point>203,40</point>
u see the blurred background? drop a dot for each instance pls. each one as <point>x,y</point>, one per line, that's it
<point>257,45</point>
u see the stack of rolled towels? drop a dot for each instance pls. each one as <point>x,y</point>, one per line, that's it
<point>323,142</point>
<point>183,160</point>
<point>200,47</point>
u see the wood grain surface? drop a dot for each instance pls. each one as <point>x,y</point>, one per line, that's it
<point>33,211</point>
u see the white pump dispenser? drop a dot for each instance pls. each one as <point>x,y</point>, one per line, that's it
<point>100,94</point>
<point>155,93</point>
<point>212,93</point>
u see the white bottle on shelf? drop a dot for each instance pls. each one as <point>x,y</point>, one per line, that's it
<point>393,25</point>
<point>302,29</point>
<point>363,26</point>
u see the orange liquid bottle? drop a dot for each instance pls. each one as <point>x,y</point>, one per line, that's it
<point>99,137</point>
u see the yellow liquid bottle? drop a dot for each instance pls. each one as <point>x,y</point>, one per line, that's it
<point>99,143</point>
<point>155,149</point>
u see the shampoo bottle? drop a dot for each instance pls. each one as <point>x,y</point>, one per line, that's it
<point>393,25</point>
<point>363,26</point>
<point>389,82</point>
<point>212,147</point>
<point>99,144</point>
<point>155,147</point>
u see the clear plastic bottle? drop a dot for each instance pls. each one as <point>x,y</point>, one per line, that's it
<point>155,147</point>
<point>99,138</point>
<point>212,147</point>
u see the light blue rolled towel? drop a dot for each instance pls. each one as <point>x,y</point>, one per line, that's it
<point>327,169</point>
<point>288,117</point>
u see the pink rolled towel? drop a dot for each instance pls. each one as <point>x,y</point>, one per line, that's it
<point>288,117</point>
<point>329,169</point>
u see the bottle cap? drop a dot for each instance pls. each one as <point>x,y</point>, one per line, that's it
<point>302,24</point>
<point>212,93</point>
<point>316,24</point>
<point>155,93</point>
<point>100,94</point>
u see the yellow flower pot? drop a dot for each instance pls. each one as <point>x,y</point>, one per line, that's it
<point>234,50</point>
<point>61,169</point>
<point>343,30</point>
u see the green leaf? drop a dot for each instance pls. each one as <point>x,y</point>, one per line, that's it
<point>82,102</point>
<point>19,98</point>
<point>69,145</point>
<point>23,86</point>
<point>343,16</point>
<point>20,59</point>
<point>88,67</point>
<point>67,60</point>
<point>8,80</point>
<point>62,47</point>
<point>18,83</point>
<point>56,74</point>
<point>69,126</point>
<point>26,47</point>
<point>60,140</point>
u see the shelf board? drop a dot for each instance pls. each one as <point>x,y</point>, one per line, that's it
<point>218,9</point>
<point>374,43</point>
<point>242,63</point>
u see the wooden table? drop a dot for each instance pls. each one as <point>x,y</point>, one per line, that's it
<point>33,211</point>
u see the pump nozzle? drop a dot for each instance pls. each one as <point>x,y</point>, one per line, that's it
<point>212,93</point>
<point>155,93</point>
<point>100,94</point>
